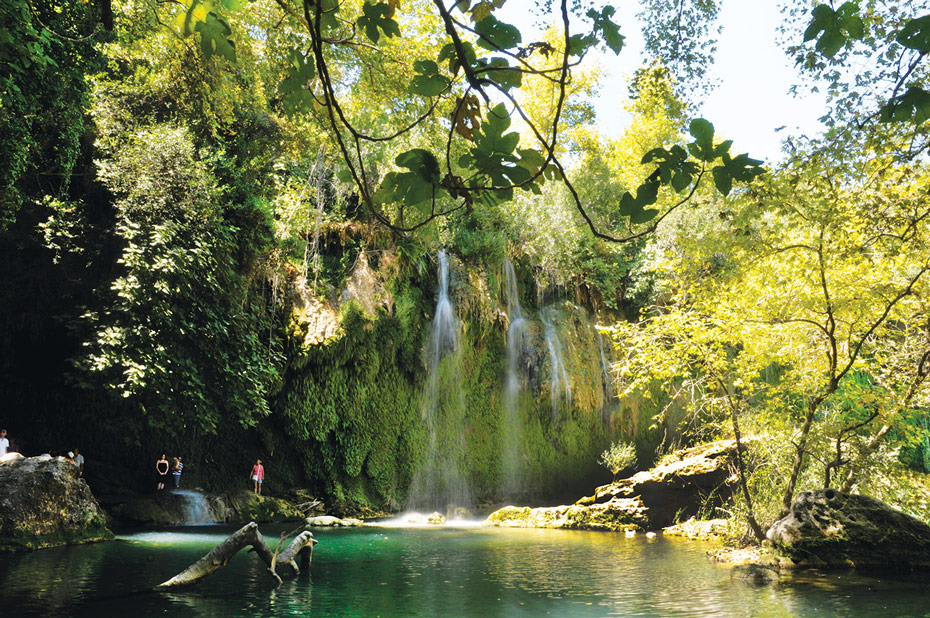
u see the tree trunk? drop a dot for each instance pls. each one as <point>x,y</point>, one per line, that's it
<point>248,535</point>
<point>741,466</point>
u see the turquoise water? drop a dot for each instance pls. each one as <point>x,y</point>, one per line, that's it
<point>374,571</point>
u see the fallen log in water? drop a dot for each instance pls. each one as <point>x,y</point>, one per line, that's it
<point>247,535</point>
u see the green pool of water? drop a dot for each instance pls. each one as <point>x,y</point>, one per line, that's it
<point>373,571</point>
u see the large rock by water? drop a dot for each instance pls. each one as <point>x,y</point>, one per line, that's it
<point>831,528</point>
<point>675,489</point>
<point>44,502</point>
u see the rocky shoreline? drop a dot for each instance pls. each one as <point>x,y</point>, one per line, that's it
<point>46,503</point>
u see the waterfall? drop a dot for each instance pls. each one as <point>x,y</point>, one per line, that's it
<point>439,482</point>
<point>194,506</point>
<point>608,395</point>
<point>512,434</point>
<point>559,385</point>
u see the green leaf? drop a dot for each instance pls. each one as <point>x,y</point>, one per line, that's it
<point>493,154</point>
<point>740,168</point>
<point>916,34</point>
<point>722,179</point>
<point>834,27</point>
<point>298,101</point>
<point>644,215</point>
<point>215,37</point>
<point>415,187</point>
<point>722,148</point>
<point>915,103</point>
<point>635,207</point>
<point>681,180</point>
<point>428,81</point>
<point>578,44</point>
<point>531,160</point>
<point>377,16</point>
<point>703,146</point>
<point>496,34</point>
<point>491,138</point>
<point>499,70</point>
<point>299,72</point>
<point>608,29</point>
<point>448,53</point>
<point>421,162</point>
<point>628,205</point>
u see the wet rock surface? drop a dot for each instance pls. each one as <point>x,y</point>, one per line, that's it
<point>44,502</point>
<point>828,528</point>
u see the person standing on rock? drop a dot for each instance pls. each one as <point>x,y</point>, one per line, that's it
<point>79,461</point>
<point>161,469</point>
<point>4,443</point>
<point>258,475</point>
<point>176,468</point>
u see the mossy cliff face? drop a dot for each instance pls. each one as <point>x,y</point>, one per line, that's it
<point>352,399</point>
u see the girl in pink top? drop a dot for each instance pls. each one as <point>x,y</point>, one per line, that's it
<point>258,475</point>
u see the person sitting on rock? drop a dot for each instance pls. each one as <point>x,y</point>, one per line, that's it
<point>4,443</point>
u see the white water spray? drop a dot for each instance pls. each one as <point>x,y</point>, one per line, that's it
<point>560,388</point>
<point>439,482</point>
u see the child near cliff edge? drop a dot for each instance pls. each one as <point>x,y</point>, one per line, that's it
<point>258,475</point>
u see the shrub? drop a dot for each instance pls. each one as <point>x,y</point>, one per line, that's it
<point>619,456</point>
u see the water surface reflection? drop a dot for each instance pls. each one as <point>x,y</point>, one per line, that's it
<point>374,571</point>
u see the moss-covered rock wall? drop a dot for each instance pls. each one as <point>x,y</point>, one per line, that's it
<point>352,402</point>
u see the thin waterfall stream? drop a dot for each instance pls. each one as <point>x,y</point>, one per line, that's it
<point>513,384</point>
<point>608,393</point>
<point>439,482</point>
<point>560,387</point>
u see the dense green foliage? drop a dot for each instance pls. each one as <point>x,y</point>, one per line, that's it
<point>220,222</point>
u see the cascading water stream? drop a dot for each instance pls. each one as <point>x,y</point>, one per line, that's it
<point>513,384</point>
<point>608,391</point>
<point>194,506</point>
<point>439,482</point>
<point>560,388</point>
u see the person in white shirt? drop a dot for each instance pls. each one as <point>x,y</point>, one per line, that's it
<point>4,443</point>
<point>79,462</point>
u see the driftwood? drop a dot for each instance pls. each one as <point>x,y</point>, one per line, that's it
<point>248,535</point>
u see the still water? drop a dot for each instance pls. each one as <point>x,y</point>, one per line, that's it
<point>376,571</point>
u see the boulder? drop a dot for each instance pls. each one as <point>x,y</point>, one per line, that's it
<point>44,502</point>
<point>828,528</point>
<point>436,519</point>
